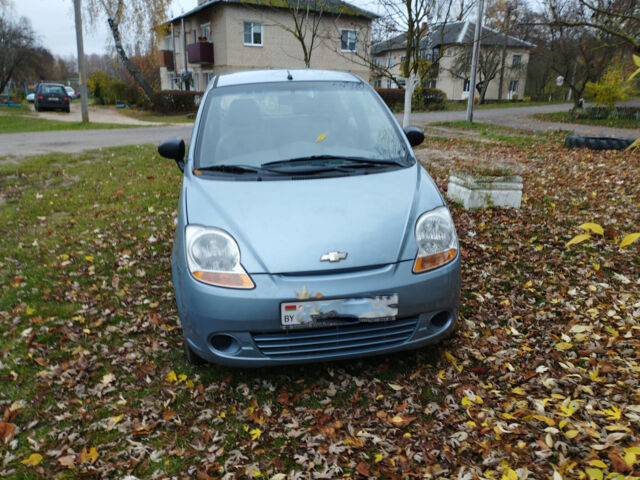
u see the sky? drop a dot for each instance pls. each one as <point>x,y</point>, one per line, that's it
<point>54,24</point>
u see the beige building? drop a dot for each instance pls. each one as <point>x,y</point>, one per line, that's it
<point>449,46</point>
<point>229,35</point>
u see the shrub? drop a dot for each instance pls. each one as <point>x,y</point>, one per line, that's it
<point>610,89</point>
<point>176,101</point>
<point>393,97</point>
<point>434,99</point>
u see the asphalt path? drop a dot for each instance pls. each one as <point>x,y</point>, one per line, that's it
<point>15,145</point>
<point>76,141</point>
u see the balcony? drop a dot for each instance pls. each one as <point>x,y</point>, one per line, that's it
<point>165,58</point>
<point>201,52</point>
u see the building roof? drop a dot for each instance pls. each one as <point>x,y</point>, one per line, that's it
<point>456,33</point>
<point>337,7</point>
<point>281,75</point>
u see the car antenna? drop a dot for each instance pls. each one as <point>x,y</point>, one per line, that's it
<point>289,76</point>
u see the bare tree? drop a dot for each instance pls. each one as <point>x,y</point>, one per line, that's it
<point>577,53</point>
<point>17,48</point>
<point>619,19</point>
<point>134,17</point>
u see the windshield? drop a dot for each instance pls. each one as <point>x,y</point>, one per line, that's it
<point>252,125</point>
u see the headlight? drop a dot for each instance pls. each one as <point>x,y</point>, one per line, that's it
<point>213,257</point>
<point>436,239</point>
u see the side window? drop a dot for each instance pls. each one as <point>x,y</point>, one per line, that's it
<point>252,33</point>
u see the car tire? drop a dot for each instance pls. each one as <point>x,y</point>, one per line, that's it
<point>597,143</point>
<point>37,108</point>
<point>68,109</point>
<point>192,357</point>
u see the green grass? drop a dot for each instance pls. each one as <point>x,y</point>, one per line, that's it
<point>500,133</point>
<point>455,106</point>
<point>21,121</point>
<point>147,116</point>
<point>565,117</point>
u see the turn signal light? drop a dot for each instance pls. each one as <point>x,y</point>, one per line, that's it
<point>429,262</point>
<point>229,280</point>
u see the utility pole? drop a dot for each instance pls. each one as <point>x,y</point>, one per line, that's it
<point>474,62</point>
<point>81,71</point>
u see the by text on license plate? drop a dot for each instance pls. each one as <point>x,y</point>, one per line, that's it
<point>328,313</point>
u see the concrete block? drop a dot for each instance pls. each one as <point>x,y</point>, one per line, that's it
<point>481,192</point>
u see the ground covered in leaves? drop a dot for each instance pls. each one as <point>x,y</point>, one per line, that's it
<point>540,380</point>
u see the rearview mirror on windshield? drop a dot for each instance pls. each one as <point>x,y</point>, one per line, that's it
<point>414,135</point>
<point>173,148</point>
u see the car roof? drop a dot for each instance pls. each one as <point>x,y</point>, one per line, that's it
<point>282,75</point>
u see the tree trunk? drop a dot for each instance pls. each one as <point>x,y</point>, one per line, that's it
<point>409,87</point>
<point>125,60</point>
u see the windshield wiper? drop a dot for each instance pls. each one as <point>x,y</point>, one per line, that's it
<point>230,169</point>
<point>365,161</point>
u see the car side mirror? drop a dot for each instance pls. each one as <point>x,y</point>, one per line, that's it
<point>414,135</point>
<point>173,148</point>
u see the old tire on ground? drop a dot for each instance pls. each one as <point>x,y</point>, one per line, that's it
<point>192,357</point>
<point>597,143</point>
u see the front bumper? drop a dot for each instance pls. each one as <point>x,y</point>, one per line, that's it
<point>242,327</point>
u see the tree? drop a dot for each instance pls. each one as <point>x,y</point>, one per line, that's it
<point>619,19</point>
<point>133,17</point>
<point>489,62</point>
<point>17,48</point>
<point>416,19</point>
<point>577,53</point>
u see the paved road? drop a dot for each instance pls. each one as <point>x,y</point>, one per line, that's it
<point>519,117</point>
<point>74,141</point>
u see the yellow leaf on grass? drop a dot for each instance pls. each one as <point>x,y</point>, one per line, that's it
<point>598,463</point>
<point>592,227</point>
<point>172,377</point>
<point>629,239</point>
<point>509,474</point>
<point>518,391</point>
<point>90,456</point>
<point>630,458</point>
<point>594,474</point>
<point>321,137</point>
<point>564,345</point>
<point>578,238</point>
<point>33,460</point>
<point>466,402</point>
<point>378,458</point>
<point>395,387</point>
<point>453,360</point>
<point>613,412</point>
<point>571,433</point>
<point>255,433</point>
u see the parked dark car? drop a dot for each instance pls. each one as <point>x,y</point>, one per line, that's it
<point>52,96</point>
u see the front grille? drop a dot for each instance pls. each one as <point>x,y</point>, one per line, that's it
<point>333,341</point>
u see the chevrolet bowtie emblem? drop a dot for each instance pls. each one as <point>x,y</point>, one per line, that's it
<point>333,256</point>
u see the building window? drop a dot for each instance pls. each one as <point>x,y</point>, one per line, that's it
<point>348,40</point>
<point>517,60</point>
<point>431,83</point>
<point>205,31</point>
<point>467,86</point>
<point>196,81</point>
<point>177,41</point>
<point>377,83</point>
<point>194,35</point>
<point>513,86</point>
<point>168,45</point>
<point>389,61</point>
<point>206,77</point>
<point>388,83</point>
<point>377,62</point>
<point>253,34</point>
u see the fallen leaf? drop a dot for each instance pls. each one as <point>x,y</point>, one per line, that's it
<point>33,460</point>
<point>578,238</point>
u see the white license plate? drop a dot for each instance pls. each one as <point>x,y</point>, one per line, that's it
<point>53,99</point>
<point>342,311</point>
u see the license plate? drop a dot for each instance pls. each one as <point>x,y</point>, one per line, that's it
<point>328,313</point>
<point>53,99</point>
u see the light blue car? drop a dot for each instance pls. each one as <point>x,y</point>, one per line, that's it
<point>306,229</point>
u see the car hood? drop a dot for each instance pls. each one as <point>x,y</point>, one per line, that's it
<point>287,226</point>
